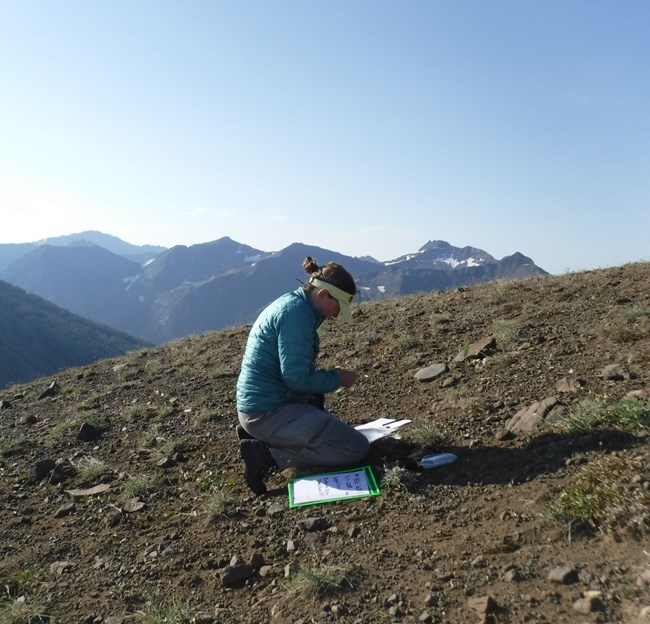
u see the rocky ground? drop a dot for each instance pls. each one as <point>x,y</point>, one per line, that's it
<point>122,500</point>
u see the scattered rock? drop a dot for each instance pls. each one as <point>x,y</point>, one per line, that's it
<point>313,524</point>
<point>531,418</point>
<point>570,385</point>
<point>483,605</point>
<point>564,575</point>
<point>41,469</point>
<point>88,433</point>
<point>504,434</point>
<point>643,580</point>
<point>133,505</point>
<point>63,470</point>
<point>479,349</point>
<point>236,574</point>
<point>59,567</point>
<point>64,510</point>
<point>617,372</point>
<point>513,574</point>
<point>257,561</point>
<point>52,390</point>
<point>93,491</point>
<point>432,372</point>
<point>589,603</point>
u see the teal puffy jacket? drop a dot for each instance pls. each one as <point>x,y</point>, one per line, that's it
<point>278,366</point>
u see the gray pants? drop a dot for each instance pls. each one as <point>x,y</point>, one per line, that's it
<point>300,434</point>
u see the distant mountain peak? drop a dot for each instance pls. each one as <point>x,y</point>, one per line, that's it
<point>107,241</point>
<point>207,286</point>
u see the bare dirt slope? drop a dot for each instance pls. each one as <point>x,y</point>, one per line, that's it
<point>121,497</point>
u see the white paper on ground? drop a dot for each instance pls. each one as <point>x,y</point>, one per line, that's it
<point>334,486</point>
<point>381,428</point>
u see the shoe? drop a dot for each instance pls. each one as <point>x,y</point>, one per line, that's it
<point>257,462</point>
<point>242,434</point>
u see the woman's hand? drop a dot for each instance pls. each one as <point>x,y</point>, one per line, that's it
<point>347,377</point>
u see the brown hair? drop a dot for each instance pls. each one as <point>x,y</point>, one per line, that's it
<point>331,273</point>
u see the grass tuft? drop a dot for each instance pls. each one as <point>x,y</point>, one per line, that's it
<point>219,503</point>
<point>138,486</point>
<point>397,478</point>
<point>507,334</point>
<point>90,468</point>
<point>174,613</point>
<point>604,497</point>
<point>426,436</point>
<point>20,610</point>
<point>439,323</point>
<point>626,414</point>
<point>321,581</point>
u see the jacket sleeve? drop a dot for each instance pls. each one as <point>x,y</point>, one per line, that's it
<point>298,343</point>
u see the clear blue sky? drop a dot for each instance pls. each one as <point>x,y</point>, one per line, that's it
<point>365,126</point>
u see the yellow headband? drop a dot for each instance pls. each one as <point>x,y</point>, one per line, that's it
<point>345,299</point>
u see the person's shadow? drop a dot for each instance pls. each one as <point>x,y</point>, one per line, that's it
<point>482,465</point>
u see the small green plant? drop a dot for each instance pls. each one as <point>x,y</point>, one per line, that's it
<point>205,416</point>
<point>207,480</point>
<point>221,372</point>
<point>99,421</point>
<point>9,448</point>
<point>597,500</point>
<point>426,435</point>
<point>470,405</point>
<point>501,360</point>
<point>25,576</point>
<point>507,334</point>
<point>621,330</point>
<point>219,502</point>
<point>466,347</point>
<point>90,468</point>
<point>136,412</point>
<point>634,314</point>
<point>626,414</point>
<point>408,342</point>
<point>397,478</point>
<point>439,323</point>
<point>129,372</point>
<point>20,610</point>
<point>150,437</point>
<point>138,486</point>
<point>321,580</point>
<point>64,429</point>
<point>174,613</point>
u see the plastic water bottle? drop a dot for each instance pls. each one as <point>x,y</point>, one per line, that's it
<point>433,461</point>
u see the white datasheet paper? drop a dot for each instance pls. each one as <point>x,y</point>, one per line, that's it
<point>381,428</point>
<point>334,486</point>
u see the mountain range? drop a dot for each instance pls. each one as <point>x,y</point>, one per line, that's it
<point>158,294</point>
<point>38,338</point>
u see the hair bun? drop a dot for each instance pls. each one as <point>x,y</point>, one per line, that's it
<point>309,265</point>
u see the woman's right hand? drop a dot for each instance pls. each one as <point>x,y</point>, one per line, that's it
<point>347,377</point>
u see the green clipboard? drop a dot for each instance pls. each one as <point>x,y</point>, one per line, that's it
<point>329,487</point>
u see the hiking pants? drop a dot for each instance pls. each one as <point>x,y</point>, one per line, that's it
<point>300,434</point>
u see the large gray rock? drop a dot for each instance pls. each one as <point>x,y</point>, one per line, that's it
<point>531,418</point>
